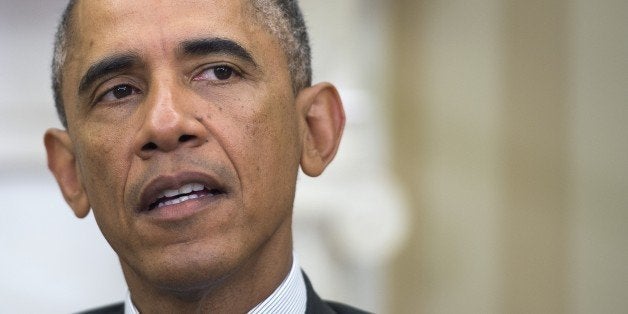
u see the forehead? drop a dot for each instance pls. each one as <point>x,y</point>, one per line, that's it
<point>108,26</point>
<point>186,13</point>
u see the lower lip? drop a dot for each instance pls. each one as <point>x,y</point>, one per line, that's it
<point>183,210</point>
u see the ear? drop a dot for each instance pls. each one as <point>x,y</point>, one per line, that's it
<point>323,121</point>
<point>62,163</point>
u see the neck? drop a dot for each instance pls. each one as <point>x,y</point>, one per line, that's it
<point>238,291</point>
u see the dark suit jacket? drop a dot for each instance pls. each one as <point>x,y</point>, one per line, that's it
<point>315,305</point>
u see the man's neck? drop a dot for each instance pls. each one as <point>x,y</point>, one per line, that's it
<point>289,297</point>
<point>237,292</point>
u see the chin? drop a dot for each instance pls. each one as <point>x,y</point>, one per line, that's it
<point>185,271</point>
<point>189,282</point>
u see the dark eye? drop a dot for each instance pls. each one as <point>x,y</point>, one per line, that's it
<point>119,92</point>
<point>223,73</point>
<point>217,73</point>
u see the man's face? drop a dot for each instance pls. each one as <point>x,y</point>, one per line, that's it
<point>185,132</point>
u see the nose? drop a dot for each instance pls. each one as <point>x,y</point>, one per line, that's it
<point>169,123</point>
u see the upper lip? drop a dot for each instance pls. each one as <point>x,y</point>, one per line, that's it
<point>151,192</point>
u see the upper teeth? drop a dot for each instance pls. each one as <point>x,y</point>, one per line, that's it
<point>186,189</point>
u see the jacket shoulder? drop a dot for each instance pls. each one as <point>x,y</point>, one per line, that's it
<point>344,309</point>
<point>117,308</point>
<point>315,305</point>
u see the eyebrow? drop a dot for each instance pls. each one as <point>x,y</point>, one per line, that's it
<point>207,46</point>
<point>197,47</point>
<point>107,66</point>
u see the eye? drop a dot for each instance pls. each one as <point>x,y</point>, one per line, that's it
<point>217,73</point>
<point>119,92</point>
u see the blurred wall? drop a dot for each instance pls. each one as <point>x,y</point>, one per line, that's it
<point>509,130</point>
<point>598,233</point>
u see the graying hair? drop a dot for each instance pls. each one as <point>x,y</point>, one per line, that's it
<point>283,18</point>
<point>64,32</point>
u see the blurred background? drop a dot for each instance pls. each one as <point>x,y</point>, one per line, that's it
<point>484,168</point>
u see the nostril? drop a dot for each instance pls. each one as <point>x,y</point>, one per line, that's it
<point>185,138</point>
<point>149,146</point>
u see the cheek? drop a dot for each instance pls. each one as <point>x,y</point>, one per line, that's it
<point>261,139</point>
<point>261,130</point>
<point>105,165</point>
<point>102,161</point>
<point>271,150</point>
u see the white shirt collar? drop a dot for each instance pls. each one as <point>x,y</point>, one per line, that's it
<point>289,297</point>
<point>129,308</point>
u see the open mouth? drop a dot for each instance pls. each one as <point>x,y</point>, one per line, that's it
<point>185,193</point>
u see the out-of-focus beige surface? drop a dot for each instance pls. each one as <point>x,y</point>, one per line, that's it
<point>510,126</point>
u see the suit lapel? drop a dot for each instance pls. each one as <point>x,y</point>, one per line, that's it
<point>315,305</point>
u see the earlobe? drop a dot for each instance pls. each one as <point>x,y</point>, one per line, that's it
<point>323,124</point>
<point>62,164</point>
